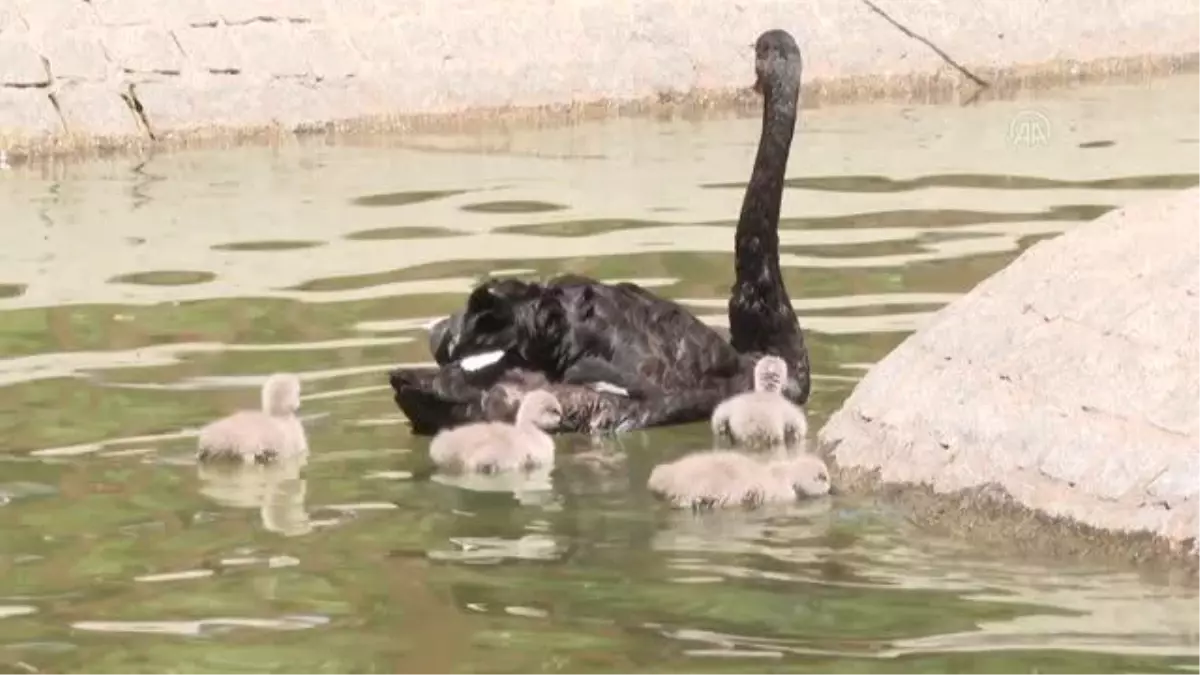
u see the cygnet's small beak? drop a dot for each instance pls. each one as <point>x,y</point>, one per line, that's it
<point>833,490</point>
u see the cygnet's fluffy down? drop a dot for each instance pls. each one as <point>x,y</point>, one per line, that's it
<point>721,478</point>
<point>762,417</point>
<point>259,435</point>
<point>491,447</point>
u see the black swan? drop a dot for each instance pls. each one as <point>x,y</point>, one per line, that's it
<point>723,478</point>
<point>258,435</point>
<point>762,417</point>
<point>617,356</point>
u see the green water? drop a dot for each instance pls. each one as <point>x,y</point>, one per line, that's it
<point>141,298</point>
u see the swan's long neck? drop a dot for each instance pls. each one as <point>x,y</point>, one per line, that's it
<point>761,318</point>
<point>759,218</point>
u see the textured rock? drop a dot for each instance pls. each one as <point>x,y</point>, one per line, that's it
<point>51,15</point>
<point>269,48</point>
<point>285,49</point>
<point>23,114</point>
<point>235,12</point>
<point>210,48</point>
<point>75,54</point>
<point>177,105</point>
<point>95,109</point>
<point>20,65</point>
<point>153,13</point>
<point>10,20</point>
<point>329,56</point>
<point>145,49</point>
<point>353,10</point>
<point>286,103</point>
<point>1069,379</point>
<point>294,104</point>
<point>456,55</point>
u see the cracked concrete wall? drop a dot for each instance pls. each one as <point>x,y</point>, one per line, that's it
<point>1069,380</point>
<point>127,69</point>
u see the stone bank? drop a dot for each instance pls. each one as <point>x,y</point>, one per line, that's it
<point>1066,384</point>
<point>80,72</point>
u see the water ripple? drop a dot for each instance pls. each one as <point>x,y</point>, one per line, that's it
<point>132,316</point>
<point>202,627</point>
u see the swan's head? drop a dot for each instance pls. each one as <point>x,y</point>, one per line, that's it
<point>443,337</point>
<point>281,394</point>
<point>806,473</point>
<point>776,61</point>
<point>489,323</point>
<point>770,374</point>
<point>540,408</point>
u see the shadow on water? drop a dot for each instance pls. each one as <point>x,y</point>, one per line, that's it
<point>400,233</point>
<point>404,198</point>
<point>984,182</point>
<point>513,206</point>
<point>909,218</point>
<point>143,299</point>
<point>282,245</point>
<point>165,278</point>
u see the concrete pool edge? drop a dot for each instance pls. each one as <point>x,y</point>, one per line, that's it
<point>83,78</point>
<point>1052,407</point>
<point>924,89</point>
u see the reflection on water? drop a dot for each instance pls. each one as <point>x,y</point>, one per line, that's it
<point>142,298</point>
<point>276,490</point>
<point>527,487</point>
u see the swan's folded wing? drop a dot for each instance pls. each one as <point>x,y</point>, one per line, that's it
<point>429,405</point>
<point>662,341</point>
<point>437,398</point>
<point>652,343</point>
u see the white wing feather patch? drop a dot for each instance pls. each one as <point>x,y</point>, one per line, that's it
<point>607,388</point>
<point>477,361</point>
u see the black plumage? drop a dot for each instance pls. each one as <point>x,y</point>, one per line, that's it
<point>584,340</point>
